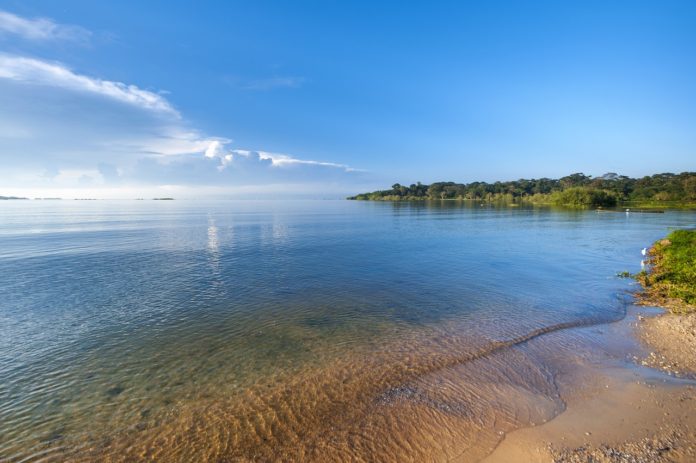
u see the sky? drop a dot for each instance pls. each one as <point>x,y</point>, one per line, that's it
<point>323,99</point>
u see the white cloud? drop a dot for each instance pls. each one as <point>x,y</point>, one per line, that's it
<point>214,149</point>
<point>34,71</point>
<point>39,29</point>
<point>281,160</point>
<point>69,130</point>
<point>217,149</point>
<point>174,139</point>
<point>63,131</point>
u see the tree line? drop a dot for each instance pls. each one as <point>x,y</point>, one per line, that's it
<point>572,190</point>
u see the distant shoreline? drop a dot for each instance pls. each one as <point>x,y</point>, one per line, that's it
<point>619,207</point>
<point>665,190</point>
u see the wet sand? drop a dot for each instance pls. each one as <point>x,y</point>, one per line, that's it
<point>627,420</point>
<point>568,394</point>
<point>629,414</point>
<point>672,341</point>
<point>575,393</point>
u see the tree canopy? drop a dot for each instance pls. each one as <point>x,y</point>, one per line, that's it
<point>575,189</point>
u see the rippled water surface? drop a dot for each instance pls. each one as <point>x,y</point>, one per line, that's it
<point>318,330</point>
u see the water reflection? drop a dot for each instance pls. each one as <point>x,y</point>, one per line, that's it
<point>218,330</point>
<point>213,245</point>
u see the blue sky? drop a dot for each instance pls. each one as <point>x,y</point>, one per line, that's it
<point>321,99</point>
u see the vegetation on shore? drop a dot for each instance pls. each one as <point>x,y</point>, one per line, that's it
<point>575,190</point>
<point>670,280</point>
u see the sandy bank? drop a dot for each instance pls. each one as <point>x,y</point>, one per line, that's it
<point>642,414</point>
<point>671,339</point>
<point>627,420</point>
<point>631,415</point>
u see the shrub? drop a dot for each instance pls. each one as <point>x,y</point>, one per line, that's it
<point>583,197</point>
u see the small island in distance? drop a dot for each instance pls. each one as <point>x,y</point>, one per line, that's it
<point>575,190</point>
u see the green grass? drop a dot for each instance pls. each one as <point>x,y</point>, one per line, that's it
<point>671,279</point>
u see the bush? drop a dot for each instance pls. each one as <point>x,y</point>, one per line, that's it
<point>583,197</point>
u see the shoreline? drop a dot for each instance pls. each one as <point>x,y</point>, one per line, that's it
<point>644,412</point>
<point>669,283</point>
<point>619,207</point>
<point>634,413</point>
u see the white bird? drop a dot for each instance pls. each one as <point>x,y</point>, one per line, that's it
<point>642,264</point>
<point>644,251</point>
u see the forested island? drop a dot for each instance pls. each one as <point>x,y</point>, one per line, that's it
<point>575,190</point>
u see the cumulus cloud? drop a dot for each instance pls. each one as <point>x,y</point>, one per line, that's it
<point>38,72</point>
<point>116,145</point>
<point>109,172</point>
<point>282,160</point>
<point>236,168</point>
<point>217,149</point>
<point>39,29</point>
<point>214,149</point>
<point>64,129</point>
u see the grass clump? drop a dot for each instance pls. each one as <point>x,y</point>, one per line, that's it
<point>671,278</point>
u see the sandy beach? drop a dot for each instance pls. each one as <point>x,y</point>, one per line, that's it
<point>672,340</point>
<point>644,412</point>
<point>641,415</point>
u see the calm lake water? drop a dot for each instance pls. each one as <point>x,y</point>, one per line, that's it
<point>289,330</point>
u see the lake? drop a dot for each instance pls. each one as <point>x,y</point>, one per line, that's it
<point>288,330</point>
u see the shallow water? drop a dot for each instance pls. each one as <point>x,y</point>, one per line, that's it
<point>316,330</point>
